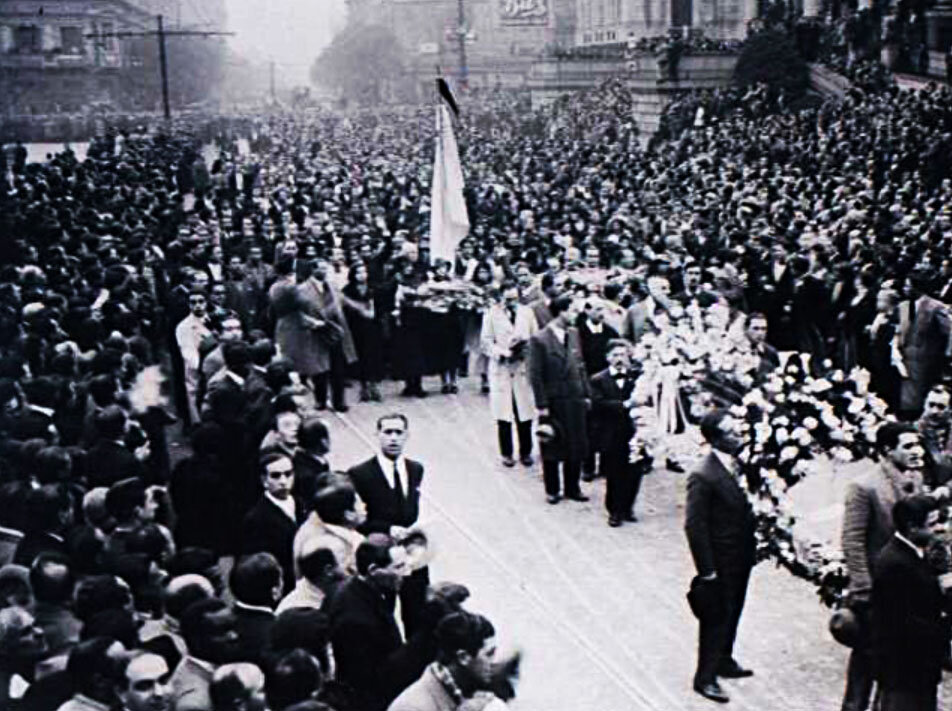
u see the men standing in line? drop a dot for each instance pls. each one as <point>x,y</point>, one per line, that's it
<point>507,328</point>
<point>563,398</point>
<point>910,632</point>
<point>867,527</point>
<point>389,485</point>
<point>757,338</point>
<point>612,430</point>
<point>719,523</point>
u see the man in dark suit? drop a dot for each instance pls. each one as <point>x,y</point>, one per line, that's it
<point>271,524</point>
<point>562,396</point>
<point>50,514</point>
<point>691,290</point>
<point>594,335</point>
<point>364,634</point>
<point>757,337</point>
<point>36,418</point>
<point>719,523</point>
<point>910,630</point>
<point>612,430</point>
<point>389,486</point>
<point>256,583</point>
<point>109,460</point>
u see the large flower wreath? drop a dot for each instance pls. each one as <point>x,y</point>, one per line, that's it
<point>791,422</point>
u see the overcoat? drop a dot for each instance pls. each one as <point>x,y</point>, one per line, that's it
<point>508,376</point>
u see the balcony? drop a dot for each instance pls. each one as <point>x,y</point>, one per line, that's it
<point>49,60</point>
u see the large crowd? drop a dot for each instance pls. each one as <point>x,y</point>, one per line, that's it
<point>161,289</point>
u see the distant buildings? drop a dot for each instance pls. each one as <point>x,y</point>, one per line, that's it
<point>61,55</point>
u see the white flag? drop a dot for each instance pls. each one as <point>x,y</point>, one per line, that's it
<point>449,222</point>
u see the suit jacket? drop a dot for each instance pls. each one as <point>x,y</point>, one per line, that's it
<point>560,383</point>
<point>719,521</point>
<point>366,642</point>
<point>769,361</point>
<point>33,544</point>
<point>612,428</point>
<point>925,344</point>
<point>268,529</point>
<point>595,345</point>
<point>108,462</point>
<point>868,523</point>
<point>59,625</point>
<point>254,631</point>
<point>190,682</point>
<point>32,424</point>
<point>383,510</point>
<point>425,694</point>
<point>541,311</point>
<point>910,636</point>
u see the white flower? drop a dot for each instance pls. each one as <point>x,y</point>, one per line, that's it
<point>782,421</point>
<point>810,423</point>
<point>762,431</point>
<point>781,435</point>
<point>820,386</point>
<point>788,453</point>
<point>841,454</point>
<point>855,407</point>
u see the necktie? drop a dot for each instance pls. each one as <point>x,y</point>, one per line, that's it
<point>398,489</point>
<point>512,313</point>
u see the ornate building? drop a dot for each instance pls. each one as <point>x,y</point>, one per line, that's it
<point>63,55</point>
<point>611,21</point>
<point>503,37</point>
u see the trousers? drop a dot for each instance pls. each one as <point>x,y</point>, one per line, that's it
<point>571,473</point>
<point>504,432</point>
<point>716,637</point>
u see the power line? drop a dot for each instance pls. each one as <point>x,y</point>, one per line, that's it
<point>160,33</point>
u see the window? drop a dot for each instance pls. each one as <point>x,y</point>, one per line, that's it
<point>108,40</point>
<point>71,40</point>
<point>28,38</point>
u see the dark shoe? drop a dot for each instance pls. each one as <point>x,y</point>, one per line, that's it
<point>631,517</point>
<point>484,389</point>
<point>341,408</point>
<point>674,466</point>
<point>577,497</point>
<point>588,476</point>
<point>364,395</point>
<point>375,393</point>
<point>712,691</point>
<point>734,671</point>
<point>508,462</point>
<point>454,388</point>
<point>320,405</point>
<point>446,389</point>
<point>527,460</point>
<point>407,392</point>
<point>553,498</point>
<point>420,393</point>
<point>614,521</point>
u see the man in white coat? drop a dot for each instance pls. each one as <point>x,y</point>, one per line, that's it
<point>507,328</point>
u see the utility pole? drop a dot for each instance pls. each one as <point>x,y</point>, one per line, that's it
<point>166,109</point>
<point>161,33</point>
<point>461,31</point>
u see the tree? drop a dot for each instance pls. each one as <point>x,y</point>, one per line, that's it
<point>771,57</point>
<point>365,63</point>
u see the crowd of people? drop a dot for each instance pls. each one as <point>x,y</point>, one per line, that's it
<point>296,263</point>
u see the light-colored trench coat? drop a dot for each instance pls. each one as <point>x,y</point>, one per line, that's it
<point>508,381</point>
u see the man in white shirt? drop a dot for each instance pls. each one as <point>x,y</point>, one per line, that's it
<point>189,334</point>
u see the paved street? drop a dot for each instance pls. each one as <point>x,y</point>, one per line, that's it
<point>599,612</point>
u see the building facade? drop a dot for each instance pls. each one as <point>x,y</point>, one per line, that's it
<point>614,21</point>
<point>63,55</point>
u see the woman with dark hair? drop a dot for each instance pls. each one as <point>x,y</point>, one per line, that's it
<point>359,308</point>
<point>409,361</point>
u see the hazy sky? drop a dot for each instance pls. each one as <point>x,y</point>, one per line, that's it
<point>292,32</point>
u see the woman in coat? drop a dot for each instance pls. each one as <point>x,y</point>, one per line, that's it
<point>507,328</point>
<point>358,299</point>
